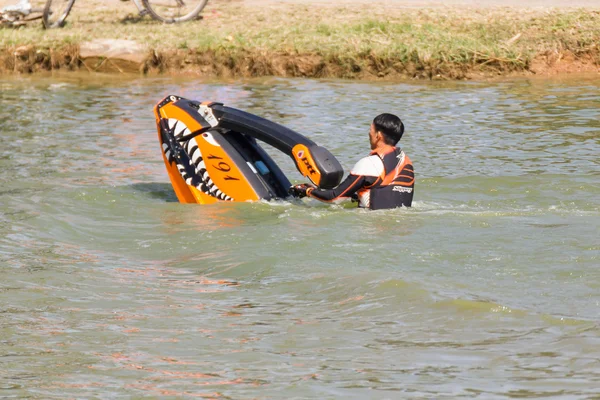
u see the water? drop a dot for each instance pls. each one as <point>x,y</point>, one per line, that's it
<point>488,287</point>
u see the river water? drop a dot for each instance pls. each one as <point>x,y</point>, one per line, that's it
<point>488,287</point>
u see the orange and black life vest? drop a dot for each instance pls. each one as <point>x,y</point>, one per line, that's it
<point>395,186</point>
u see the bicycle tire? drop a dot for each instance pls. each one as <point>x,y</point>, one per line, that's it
<point>56,12</point>
<point>172,11</point>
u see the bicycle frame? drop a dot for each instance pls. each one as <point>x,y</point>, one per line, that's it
<point>140,7</point>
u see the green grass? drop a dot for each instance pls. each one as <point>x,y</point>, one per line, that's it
<point>403,41</point>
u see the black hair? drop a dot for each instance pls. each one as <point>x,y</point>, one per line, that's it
<point>390,126</point>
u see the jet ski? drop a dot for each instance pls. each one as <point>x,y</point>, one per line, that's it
<point>212,153</point>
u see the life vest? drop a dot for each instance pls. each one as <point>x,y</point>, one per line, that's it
<point>394,186</point>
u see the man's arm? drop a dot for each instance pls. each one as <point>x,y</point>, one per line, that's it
<point>365,173</point>
<point>347,188</point>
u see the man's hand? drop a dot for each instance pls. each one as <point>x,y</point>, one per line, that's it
<point>300,191</point>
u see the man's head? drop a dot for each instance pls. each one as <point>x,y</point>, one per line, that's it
<point>388,127</point>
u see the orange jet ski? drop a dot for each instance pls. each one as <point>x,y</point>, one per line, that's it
<point>212,153</point>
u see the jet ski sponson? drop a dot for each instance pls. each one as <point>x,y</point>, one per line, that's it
<point>212,154</point>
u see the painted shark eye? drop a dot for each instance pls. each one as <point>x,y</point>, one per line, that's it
<point>210,139</point>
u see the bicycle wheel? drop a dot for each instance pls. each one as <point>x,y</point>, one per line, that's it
<point>56,12</point>
<point>170,11</point>
<point>37,7</point>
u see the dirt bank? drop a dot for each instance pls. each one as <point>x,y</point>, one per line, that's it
<point>355,39</point>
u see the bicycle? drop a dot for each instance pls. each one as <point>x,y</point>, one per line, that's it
<point>172,11</point>
<point>167,11</point>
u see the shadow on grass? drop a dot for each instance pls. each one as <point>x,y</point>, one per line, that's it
<point>144,17</point>
<point>132,19</point>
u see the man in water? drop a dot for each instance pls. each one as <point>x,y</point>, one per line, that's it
<point>384,179</point>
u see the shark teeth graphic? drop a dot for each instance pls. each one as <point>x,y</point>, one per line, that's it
<point>180,131</point>
<point>201,179</point>
<point>167,152</point>
<point>183,133</point>
<point>196,157</point>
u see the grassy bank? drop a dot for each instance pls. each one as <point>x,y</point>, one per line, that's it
<point>297,40</point>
